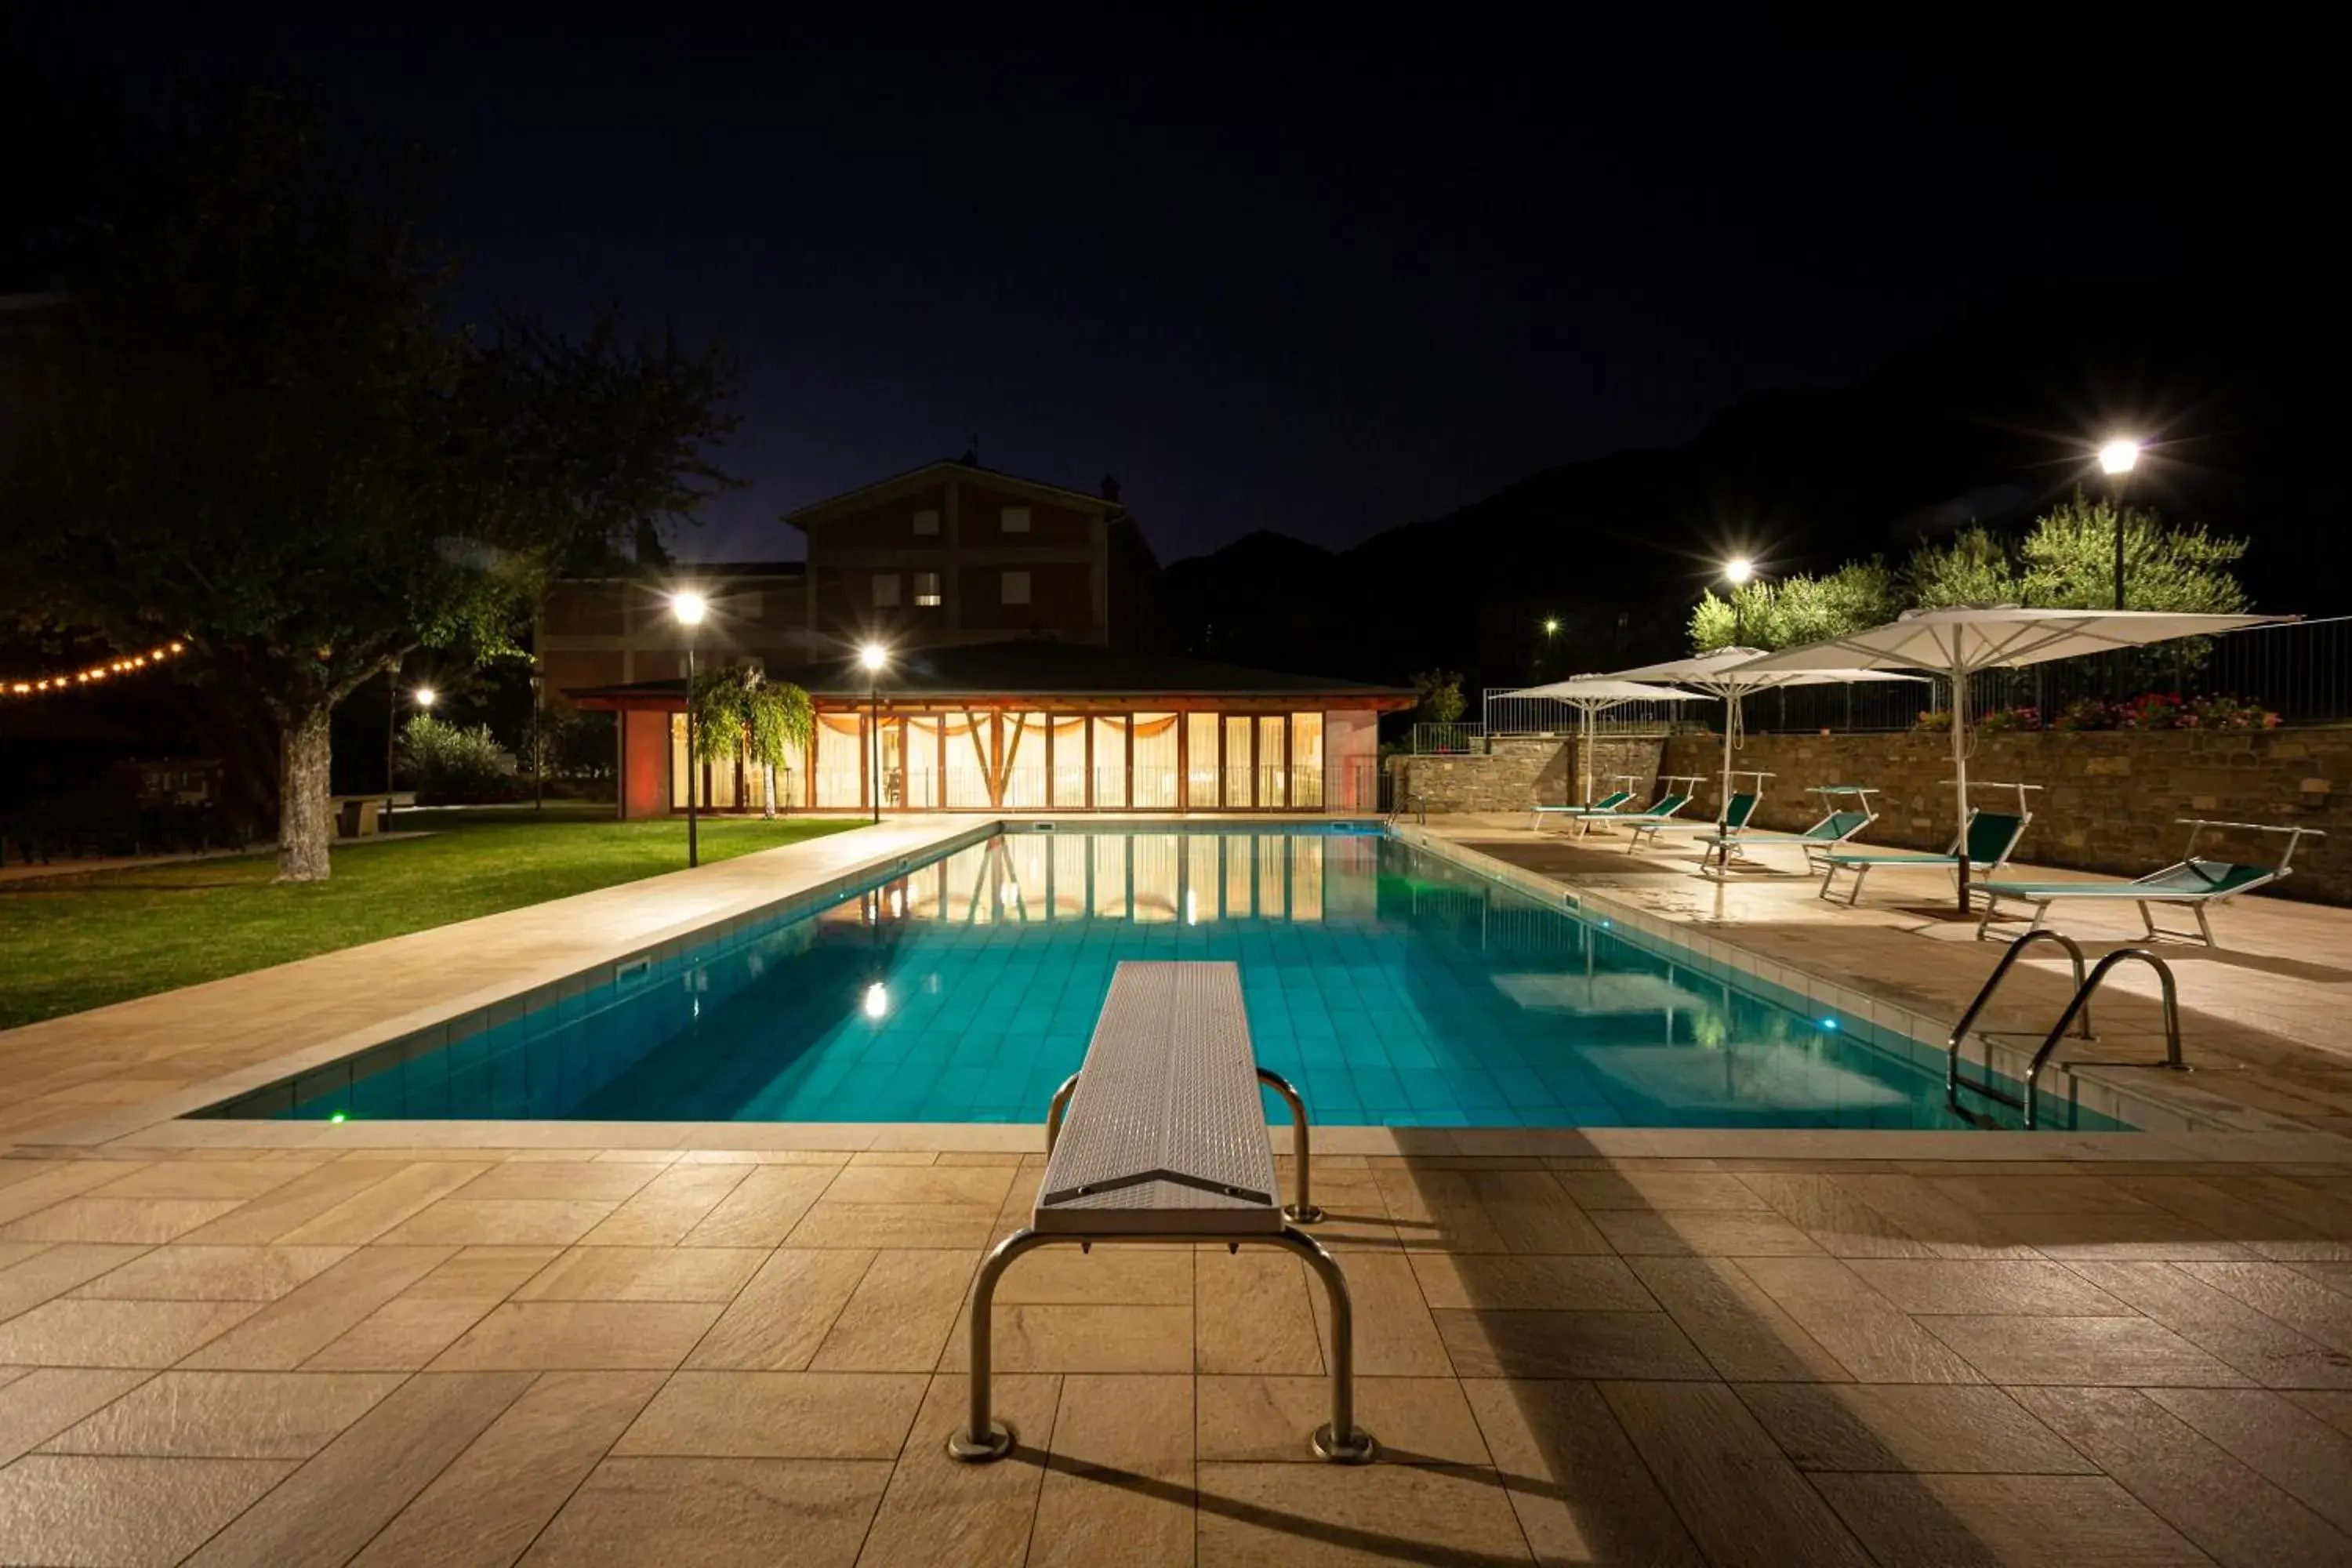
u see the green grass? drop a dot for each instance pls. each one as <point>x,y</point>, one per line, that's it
<point>72,943</point>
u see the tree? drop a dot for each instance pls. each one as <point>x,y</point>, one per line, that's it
<point>1789,611</point>
<point>740,710</point>
<point>254,429</point>
<point>1441,697</point>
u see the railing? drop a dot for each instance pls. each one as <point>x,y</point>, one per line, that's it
<point>2078,1017</point>
<point>2301,670</point>
<point>1446,739</point>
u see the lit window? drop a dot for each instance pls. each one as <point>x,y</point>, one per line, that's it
<point>927,520</point>
<point>1016,520</point>
<point>886,590</point>
<point>1016,588</point>
<point>927,589</point>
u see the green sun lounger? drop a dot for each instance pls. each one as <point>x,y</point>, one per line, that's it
<point>1835,828</point>
<point>1663,809</point>
<point>1736,813</point>
<point>2192,882</point>
<point>1607,806</point>
<point>1990,839</point>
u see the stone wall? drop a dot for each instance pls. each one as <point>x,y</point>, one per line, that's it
<point>2108,800</point>
<point>1518,774</point>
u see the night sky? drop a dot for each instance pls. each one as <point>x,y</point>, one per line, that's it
<point>1268,281</point>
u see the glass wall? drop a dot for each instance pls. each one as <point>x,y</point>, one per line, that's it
<point>923,762</point>
<point>840,773</point>
<point>1069,762</point>
<point>1154,785</point>
<point>1027,760</point>
<point>1200,762</point>
<point>1110,762</point>
<point>1273,765</point>
<point>1237,761</point>
<point>1021,767</point>
<point>1306,761</point>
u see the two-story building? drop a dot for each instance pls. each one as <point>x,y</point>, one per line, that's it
<point>1017,623</point>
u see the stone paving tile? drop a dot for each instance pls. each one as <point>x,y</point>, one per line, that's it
<point>2104,1351</point>
<point>328,1509</point>
<point>1268,1420</point>
<point>779,1320</point>
<point>1986,1286</point>
<point>1737,1495</point>
<point>2033,1521</point>
<point>1740,1330</point>
<point>1568,1345</point>
<point>580,1336</point>
<point>179,1273</point>
<point>1907,1426</point>
<point>2222,1326</point>
<point>1119,1487</point>
<point>2295,1300</point>
<point>778,1415</point>
<point>761,1209</point>
<point>1066,1339</point>
<point>114,1510</point>
<point>44,1401</point>
<point>227,1415</point>
<point>1704,1234</point>
<point>716,1514</point>
<point>1502,1283</point>
<point>2193,1485</point>
<point>2291,1448</point>
<point>558,1180</point>
<point>50,1270</point>
<point>664,1210</point>
<point>117,1219</point>
<point>493,1498</point>
<point>644,1274</point>
<point>1580,1491</point>
<point>181,1179</point>
<point>898,1316</point>
<point>500,1222</point>
<point>289,1330</point>
<point>1252,1314</point>
<point>938,1510</point>
<point>1259,1514</point>
<point>116,1333</point>
<point>1872,1338</point>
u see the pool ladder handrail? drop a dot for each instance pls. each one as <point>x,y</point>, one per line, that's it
<point>2077,1014</point>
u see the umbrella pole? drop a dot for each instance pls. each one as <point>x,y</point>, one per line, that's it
<point>1723,807</point>
<point>1961,759</point>
<point>1584,752</point>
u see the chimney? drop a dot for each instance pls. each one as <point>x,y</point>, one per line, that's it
<point>1110,488</point>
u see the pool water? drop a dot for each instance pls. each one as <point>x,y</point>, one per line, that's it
<point>1391,985</point>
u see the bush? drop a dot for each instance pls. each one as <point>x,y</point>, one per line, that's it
<point>2161,711</point>
<point>444,763</point>
<point>2003,719</point>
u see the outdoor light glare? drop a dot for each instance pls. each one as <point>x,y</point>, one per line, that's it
<point>873,655</point>
<point>426,697</point>
<point>877,1000</point>
<point>1551,624</point>
<point>2118,457</point>
<point>690,608</point>
<point>1739,570</point>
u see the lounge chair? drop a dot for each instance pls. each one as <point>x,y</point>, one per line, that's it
<point>1606,805</point>
<point>1835,828</point>
<point>1677,793</point>
<point>1990,839</point>
<point>2193,882</point>
<point>1736,813</point>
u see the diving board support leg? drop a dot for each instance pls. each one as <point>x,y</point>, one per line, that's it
<point>1059,1108</point>
<point>984,1439</point>
<point>1302,1210</point>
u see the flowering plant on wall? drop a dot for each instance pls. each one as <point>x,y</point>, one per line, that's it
<point>2162,710</point>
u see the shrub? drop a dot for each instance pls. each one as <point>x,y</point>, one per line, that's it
<point>445,764</point>
<point>2008,718</point>
<point>1937,720</point>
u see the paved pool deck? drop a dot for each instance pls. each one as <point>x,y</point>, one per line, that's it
<point>578,1343</point>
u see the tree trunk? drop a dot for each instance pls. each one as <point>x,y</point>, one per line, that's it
<point>305,810</point>
<point>771,812</point>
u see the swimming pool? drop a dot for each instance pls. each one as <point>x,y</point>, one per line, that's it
<point>1393,985</point>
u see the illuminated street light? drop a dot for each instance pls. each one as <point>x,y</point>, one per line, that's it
<point>426,697</point>
<point>2119,456</point>
<point>1738,571</point>
<point>1551,625</point>
<point>871,657</point>
<point>689,609</point>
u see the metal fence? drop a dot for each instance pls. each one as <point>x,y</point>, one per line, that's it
<point>2301,670</point>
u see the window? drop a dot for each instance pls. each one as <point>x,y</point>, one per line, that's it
<point>1016,519</point>
<point>927,589</point>
<point>886,590</point>
<point>1015,588</point>
<point>927,520</point>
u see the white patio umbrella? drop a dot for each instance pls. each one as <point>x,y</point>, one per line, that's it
<point>1956,642</point>
<point>1591,694</point>
<point>1732,673</point>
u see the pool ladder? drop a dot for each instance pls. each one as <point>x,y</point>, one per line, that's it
<point>2077,1015</point>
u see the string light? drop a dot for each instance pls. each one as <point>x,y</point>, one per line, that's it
<point>130,663</point>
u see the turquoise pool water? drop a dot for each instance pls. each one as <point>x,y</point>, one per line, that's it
<point>1392,986</point>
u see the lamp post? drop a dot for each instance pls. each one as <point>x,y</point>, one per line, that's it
<point>538,750</point>
<point>390,735</point>
<point>690,608</point>
<point>2116,460</point>
<point>872,658</point>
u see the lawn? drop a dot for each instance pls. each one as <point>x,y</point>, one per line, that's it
<point>82,941</point>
